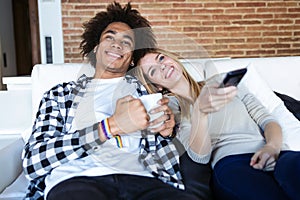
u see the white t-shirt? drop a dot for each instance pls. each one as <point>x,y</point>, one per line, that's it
<point>97,104</point>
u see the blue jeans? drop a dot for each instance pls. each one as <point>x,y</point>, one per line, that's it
<point>234,178</point>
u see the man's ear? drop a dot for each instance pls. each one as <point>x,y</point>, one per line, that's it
<point>132,63</point>
<point>95,49</point>
<point>160,88</point>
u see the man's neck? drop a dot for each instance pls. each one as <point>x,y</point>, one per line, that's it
<point>108,75</point>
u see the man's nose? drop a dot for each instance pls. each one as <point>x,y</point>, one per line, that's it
<point>116,44</point>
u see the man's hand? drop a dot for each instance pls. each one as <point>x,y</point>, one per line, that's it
<point>130,116</point>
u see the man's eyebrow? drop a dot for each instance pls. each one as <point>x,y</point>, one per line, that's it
<point>115,32</point>
<point>110,31</point>
<point>128,37</point>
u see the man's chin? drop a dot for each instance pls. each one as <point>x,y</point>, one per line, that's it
<point>114,69</point>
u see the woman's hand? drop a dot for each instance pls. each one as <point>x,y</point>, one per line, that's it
<point>265,158</point>
<point>212,98</point>
<point>167,119</point>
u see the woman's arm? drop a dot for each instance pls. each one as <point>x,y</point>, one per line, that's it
<point>269,153</point>
<point>211,99</point>
<point>272,132</point>
<point>199,141</point>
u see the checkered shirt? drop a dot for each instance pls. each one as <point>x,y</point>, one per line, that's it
<point>53,144</point>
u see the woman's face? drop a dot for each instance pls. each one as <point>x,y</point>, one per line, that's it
<point>161,70</point>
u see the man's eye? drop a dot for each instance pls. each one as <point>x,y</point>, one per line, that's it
<point>127,43</point>
<point>108,37</point>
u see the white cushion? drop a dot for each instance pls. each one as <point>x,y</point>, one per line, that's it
<point>261,90</point>
<point>12,121</point>
<point>44,77</point>
<point>17,190</point>
<point>281,73</point>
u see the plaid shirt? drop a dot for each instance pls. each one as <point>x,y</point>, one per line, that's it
<point>53,144</point>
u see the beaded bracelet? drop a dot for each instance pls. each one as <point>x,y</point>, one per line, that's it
<point>106,129</point>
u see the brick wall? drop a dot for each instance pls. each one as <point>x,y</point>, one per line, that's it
<point>220,28</point>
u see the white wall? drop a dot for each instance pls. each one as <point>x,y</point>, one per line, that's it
<point>7,40</point>
<point>50,22</point>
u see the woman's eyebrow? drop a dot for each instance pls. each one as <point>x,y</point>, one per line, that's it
<point>156,58</point>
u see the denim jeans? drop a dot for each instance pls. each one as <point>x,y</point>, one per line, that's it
<point>234,178</point>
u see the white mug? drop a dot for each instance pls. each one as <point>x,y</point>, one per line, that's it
<point>150,102</point>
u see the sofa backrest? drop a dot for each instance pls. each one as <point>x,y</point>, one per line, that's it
<point>46,76</point>
<point>280,73</point>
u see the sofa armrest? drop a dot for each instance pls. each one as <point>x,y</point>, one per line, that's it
<point>10,158</point>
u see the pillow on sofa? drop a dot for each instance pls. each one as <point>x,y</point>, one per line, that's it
<point>256,85</point>
<point>45,76</point>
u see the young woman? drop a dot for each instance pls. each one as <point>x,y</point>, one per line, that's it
<point>228,127</point>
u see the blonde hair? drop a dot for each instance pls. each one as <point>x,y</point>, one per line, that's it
<point>195,87</point>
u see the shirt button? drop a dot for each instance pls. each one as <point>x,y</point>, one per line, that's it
<point>96,148</point>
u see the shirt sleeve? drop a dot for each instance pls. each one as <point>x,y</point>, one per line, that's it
<point>184,132</point>
<point>255,109</point>
<point>50,144</point>
<point>184,137</point>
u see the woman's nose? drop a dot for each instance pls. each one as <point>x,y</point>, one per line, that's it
<point>162,67</point>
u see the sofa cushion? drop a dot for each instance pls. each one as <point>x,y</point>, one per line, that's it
<point>46,76</point>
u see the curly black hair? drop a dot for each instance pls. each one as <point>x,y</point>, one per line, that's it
<point>144,36</point>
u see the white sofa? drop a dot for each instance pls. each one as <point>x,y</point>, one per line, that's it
<point>280,74</point>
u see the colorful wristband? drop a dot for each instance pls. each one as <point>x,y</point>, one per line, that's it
<point>119,141</point>
<point>106,129</point>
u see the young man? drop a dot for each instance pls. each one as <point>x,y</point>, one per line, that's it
<point>90,137</point>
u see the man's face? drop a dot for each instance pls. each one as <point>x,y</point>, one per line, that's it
<point>114,52</point>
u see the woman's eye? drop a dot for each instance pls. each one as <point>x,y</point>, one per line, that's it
<point>152,72</point>
<point>161,58</point>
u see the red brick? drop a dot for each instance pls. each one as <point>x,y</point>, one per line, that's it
<point>251,4</point>
<point>224,28</point>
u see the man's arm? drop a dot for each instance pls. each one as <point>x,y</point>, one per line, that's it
<point>50,145</point>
